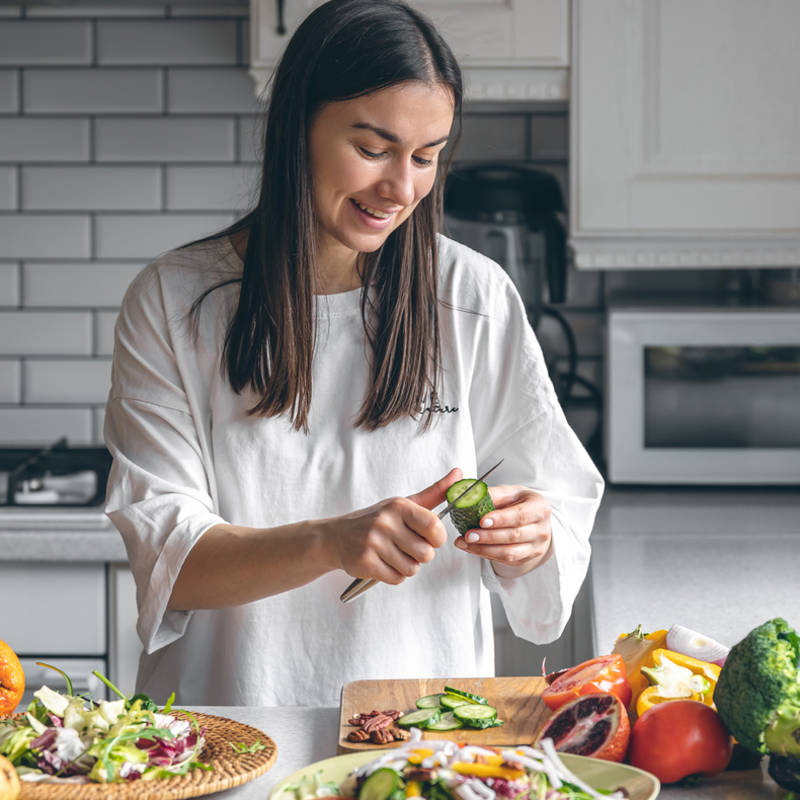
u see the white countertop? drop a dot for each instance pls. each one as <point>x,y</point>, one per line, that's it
<point>720,561</point>
<point>58,534</point>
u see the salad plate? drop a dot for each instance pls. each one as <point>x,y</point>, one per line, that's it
<point>317,779</point>
<point>237,753</point>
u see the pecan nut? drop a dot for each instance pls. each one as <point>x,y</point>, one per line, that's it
<point>359,735</point>
<point>377,723</point>
<point>381,736</point>
<point>400,734</point>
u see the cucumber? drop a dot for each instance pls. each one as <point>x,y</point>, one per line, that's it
<point>468,696</point>
<point>476,715</point>
<point>380,785</point>
<point>447,722</point>
<point>419,719</point>
<point>430,701</point>
<point>471,507</point>
<point>451,701</point>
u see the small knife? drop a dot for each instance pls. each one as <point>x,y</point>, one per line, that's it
<point>360,585</point>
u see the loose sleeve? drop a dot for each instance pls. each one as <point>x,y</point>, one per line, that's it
<point>518,418</point>
<point>159,496</point>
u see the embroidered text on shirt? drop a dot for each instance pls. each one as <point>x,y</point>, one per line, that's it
<point>436,408</point>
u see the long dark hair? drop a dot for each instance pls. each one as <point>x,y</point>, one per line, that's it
<point>343,49</point>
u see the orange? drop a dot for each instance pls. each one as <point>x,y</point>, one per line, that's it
<point>12,680</point>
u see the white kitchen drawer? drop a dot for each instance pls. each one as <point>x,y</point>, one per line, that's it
<point>53,608</point>
<point>80,671</point>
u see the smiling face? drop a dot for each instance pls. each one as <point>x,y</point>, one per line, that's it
<point>373,159</point>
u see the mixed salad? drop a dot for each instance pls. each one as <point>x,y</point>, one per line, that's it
<point>445,770</point>
<point>72,738</point>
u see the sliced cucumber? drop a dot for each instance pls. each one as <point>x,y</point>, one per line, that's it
<point>380,785</point>
<point>452,701</point>
<point>419,719</point>
<point>430,701</point>
<point>471,507</point>
<point>447,722</point>
<point>476,715</point>
<point>468,696</point>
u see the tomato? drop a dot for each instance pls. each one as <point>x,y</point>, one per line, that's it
<point>601,674</point>
<point>680,738</point>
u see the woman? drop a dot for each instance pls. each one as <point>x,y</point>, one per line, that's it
<point>292,398</point>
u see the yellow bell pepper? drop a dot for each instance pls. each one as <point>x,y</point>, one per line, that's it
<point>413,789</point>
<point>636,649</point>
<point>418,754</point>
<point>487,770</point>
<point>675,676</point>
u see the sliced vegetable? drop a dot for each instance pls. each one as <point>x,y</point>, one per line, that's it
<point>420,718</point>
<point>594,725</point>
<point>446,722</point>
<point>487,770</point>
<point>452,701</point>
<point>601,674</point>
<point>380,785</point>
<point>636,649</point>
<point>472,698</point>
<point>471,507</point>
<point>697,645</point>
<point>430,701</point>
<point>476,715</point>
<point>676,676</point>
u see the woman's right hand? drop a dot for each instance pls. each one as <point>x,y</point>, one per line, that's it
<point>389,540</point>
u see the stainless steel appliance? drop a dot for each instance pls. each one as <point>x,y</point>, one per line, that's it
<point>58,475</point>
<point>702,395</point>
<point>512,214</point>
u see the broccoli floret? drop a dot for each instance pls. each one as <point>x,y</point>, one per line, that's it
<point>758,691</point>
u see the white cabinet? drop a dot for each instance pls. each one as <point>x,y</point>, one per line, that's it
<point>509,49</point>
<point>53,609</point>
<point>685,130</point>
<point>124,647</point>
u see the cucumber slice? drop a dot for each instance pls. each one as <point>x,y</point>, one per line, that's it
<point>468,696</point>
<point>419,719</point>
<point>430,701</point>
<point>471,507</point>
<point>476,715</point>
<point>447,722</point>
<point>380,785</point>
<point>450,701</point>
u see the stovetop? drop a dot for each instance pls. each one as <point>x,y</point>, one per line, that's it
<point>61,475</point>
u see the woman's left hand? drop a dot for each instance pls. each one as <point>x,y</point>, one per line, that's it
<point>516,537</point>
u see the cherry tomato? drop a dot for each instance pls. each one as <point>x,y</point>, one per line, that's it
<point>680,738</point>
<point>601,674</point>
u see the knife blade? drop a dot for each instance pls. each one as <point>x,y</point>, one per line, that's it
<point>360,585</point>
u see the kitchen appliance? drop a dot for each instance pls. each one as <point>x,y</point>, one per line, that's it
<point>58,475</point>
<point>702,394</point>
<point>511,214</point>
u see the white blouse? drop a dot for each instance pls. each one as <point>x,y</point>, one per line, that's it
<point>188,456</point>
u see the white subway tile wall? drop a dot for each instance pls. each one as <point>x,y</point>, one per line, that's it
<point>129,130</point>
<point>9,96</point>
<point>9,284</point>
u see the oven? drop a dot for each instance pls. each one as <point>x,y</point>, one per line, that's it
<point>702,395</point>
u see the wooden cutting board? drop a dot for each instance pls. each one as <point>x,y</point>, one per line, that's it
<point>517,700</point>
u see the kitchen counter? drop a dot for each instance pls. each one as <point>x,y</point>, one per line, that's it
<point>719,561</point>
<point>306,735</point>
<point>58,534</point>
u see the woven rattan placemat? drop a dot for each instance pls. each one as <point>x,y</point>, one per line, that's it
<point>229,768</point>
